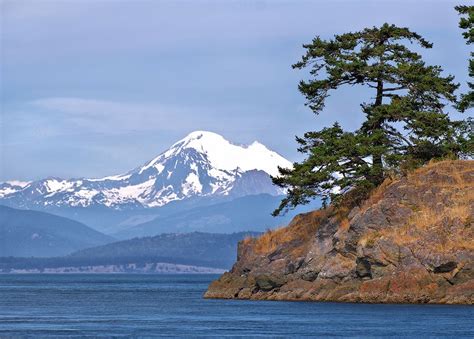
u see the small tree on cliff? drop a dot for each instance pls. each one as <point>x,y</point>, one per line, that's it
<point>467,23</point>
<point>405,122</point>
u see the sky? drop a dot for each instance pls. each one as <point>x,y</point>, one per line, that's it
<point>94,88</point>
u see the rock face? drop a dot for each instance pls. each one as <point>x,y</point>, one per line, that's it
<point>411,242</point>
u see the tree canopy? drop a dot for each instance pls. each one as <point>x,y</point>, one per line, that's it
<point>467,24</point>
<point>405,120</point>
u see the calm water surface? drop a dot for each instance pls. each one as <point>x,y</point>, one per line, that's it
<point>172,305</point>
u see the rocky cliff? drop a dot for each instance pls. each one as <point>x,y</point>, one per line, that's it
<point>410,242</point>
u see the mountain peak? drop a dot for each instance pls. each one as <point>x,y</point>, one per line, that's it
<point>200,140</point>
<point>224,155</point>
<point>201,164</point>
<point>202,134</point>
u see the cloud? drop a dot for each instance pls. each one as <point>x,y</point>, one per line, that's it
<point>75,120</point>
<point>69,116</point>
<point>106,117</point>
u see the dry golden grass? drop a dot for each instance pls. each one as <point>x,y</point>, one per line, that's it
<point>301,229</point>
<point>455,178</point>
<point>430,224</point>
<point>450,224</point>
<point>344,224</point>
<point>459,173</point>
<point>247,240</point>
<point>271,239</point>
<point>376,195</point>
<point>450,173</point>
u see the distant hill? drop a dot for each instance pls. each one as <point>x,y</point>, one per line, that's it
<point>30,233</point>
<point>213,250</point>
<point>252,212</point>
<point>197,249</point>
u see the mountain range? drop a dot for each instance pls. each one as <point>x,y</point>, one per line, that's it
<point>251,212</point>
<point>203,164</point>
<point>202,182</point>
<point>189,205</point>
<point>31,233</point>
<point>144,255</point>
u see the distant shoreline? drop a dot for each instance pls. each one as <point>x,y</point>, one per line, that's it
<point>149,268</point>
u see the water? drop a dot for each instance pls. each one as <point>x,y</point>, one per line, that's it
<point>172,305</point>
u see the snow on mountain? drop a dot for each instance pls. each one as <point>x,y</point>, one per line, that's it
<point>224,155</point>
<point>12,186</point>
<point>203,164</point>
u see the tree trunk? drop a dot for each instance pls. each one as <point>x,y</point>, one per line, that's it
<point>377,164</point>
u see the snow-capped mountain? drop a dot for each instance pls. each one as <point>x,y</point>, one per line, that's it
<point>9,187</point>
<point>203,164</point>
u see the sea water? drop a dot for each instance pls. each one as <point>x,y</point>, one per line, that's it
<point>172,305</point>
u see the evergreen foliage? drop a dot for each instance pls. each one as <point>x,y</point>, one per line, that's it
<point>405,123</point>
<point>467,24</point>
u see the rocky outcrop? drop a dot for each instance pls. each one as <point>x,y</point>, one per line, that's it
<point>411,242</point>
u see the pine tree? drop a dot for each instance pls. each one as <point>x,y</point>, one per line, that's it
<point>405,124</point>
<point>467,23</point>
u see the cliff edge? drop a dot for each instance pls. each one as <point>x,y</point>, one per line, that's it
<point>410,242</point>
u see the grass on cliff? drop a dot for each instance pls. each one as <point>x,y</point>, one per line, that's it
<point>453,178</point>
<point>299,231</point>
<point>450,223</point>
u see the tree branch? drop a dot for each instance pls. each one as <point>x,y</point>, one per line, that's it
<point>398,134</point>
<point>394,88</point>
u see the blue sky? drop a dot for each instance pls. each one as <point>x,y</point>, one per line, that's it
<point>92,88</point>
